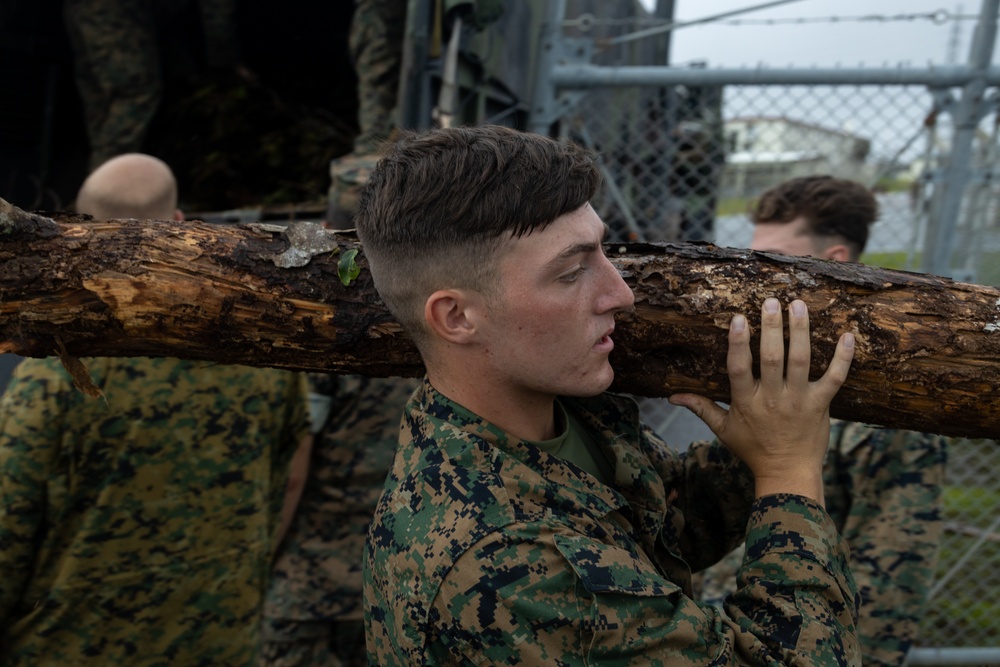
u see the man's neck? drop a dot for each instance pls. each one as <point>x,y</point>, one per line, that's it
<point>525,416</point>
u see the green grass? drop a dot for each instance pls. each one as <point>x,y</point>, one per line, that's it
<point>732,206</point>
<point>989,269</point>
<point>961,615</point>
<point>968,500</point>
<point>888,260</point>
<point>893,185</point>
<point>989,264</point>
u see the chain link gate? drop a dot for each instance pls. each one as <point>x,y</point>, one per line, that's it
<point>684,151</point>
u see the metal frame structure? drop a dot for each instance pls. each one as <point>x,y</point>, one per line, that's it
<point>564,72</point>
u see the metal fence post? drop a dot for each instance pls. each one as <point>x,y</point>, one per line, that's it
<point>968,111</point>
<point>543,103</point>
<point>960,627</point>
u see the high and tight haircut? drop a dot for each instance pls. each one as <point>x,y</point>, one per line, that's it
<point>442,206</point>
<point>833,208</point>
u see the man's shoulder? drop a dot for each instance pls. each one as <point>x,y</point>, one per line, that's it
<point>847,436</point>
<point>424,523</point>
<point>442,509</point>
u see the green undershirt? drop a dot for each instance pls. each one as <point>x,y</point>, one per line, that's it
<point>576,445</point>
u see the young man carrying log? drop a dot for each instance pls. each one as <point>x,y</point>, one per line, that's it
<point>529,516</point>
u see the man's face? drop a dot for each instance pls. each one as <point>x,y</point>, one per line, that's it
<point>785,238</point>
<point>550,331</point>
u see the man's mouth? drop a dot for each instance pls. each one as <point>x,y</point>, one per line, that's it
<point>605,340</point>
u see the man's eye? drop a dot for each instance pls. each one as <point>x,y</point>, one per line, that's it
<point>573,275</point>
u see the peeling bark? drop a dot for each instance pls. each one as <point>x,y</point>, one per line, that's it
<point>927,356</point>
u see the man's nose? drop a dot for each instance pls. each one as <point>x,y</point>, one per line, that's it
<point>619,295</point>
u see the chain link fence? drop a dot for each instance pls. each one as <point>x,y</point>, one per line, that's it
<point>683,163</point>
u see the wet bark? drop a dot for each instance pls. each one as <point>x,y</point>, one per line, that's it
<point>927,358</point>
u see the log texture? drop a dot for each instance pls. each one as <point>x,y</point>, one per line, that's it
<point>927,358</point>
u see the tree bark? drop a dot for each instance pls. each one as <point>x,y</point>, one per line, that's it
<point>927,356</point>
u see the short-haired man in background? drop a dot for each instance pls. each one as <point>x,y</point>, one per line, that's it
<point>529,517</point>
<point>883,486</point>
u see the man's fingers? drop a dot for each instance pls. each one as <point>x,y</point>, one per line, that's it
<point>772,348</point>
<point>739,362</point>
<point>836,373</point>
<point>797,371</point>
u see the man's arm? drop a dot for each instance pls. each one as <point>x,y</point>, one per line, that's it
<point>287,456</point>
<point>28,440</point>
<point>796,568</point>
<point>298,473</point>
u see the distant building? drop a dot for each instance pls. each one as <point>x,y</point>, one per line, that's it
<point>765,150</point>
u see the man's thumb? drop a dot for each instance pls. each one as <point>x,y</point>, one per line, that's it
<point>703,408</point>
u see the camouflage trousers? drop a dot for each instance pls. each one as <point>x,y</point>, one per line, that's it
<point>117,68</point>
<point>312,644</point>
<point>376,44</point>
<point>883,491</point>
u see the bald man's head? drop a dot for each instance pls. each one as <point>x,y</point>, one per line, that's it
<point>133,185</point>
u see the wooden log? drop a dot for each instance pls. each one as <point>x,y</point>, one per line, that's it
<point>928,351</point>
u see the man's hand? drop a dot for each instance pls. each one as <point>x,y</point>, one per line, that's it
<point>780,424</point>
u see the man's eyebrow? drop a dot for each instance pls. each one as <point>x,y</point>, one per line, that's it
<point>576,249</point>
<point>582,248</point>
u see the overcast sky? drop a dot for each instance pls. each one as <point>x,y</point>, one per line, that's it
<point>891,117</point>
<point>914,42</point>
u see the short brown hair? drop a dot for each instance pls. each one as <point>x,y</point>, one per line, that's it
<point>832,207</point>
<point>440,207</point>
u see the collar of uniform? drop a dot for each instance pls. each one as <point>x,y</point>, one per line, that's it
<point>467,440</point>
<point>614,420</point>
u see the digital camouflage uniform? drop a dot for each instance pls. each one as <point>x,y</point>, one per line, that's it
<point>119,73</point>
<point>313,614</point>
<point>137,528</point>
<point>883,491</point>
<point>376,46</point>
<point>486,550</point>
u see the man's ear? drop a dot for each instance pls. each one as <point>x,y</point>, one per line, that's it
<point>838,253</point>
<point>453,314</point>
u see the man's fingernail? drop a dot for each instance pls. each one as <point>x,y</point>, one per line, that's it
<point>849,341</point>
<point>739,323</point>
<point>770,305</point>
<point>798,308</point>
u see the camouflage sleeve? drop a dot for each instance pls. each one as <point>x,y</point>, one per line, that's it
<point>795,585</point>
<point>714,491</point>
<point>883,491</point>
<point>538,594</point>
<point>29,439</point>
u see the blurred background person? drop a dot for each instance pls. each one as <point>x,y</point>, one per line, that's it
<point>116,46</point>
<point>138,528</point>
<point>313,614</point>
<point>882,486</point>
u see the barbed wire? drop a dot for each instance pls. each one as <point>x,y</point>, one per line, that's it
<point>939,17</point>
